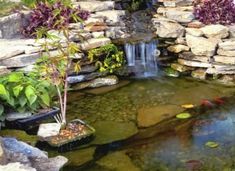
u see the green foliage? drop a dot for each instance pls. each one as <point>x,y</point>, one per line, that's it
<point>108,57</point>
<point>135,5</point>
<point>6,7</point>
<point>24,93</point>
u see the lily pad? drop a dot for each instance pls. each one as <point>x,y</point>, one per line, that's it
<point>183,116</point>
<point>212,144</point>
<point>187,106</point>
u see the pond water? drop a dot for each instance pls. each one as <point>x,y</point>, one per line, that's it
<point>172,144</point>
<point>180,147</point>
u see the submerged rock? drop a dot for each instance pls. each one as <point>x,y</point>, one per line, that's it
<point>199,74</point>
<point>151,116</point>
<point>16,167</point>
<point>110,131</point>
<point>118,161</point>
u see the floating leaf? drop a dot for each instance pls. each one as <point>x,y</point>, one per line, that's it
<point>212,144</point>
<point>187,106</point>
<point>183,116</point>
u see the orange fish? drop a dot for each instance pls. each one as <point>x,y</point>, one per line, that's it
<point>207,103</point>
<point>219,101</point>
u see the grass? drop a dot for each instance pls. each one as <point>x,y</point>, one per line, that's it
<point>7,7</point>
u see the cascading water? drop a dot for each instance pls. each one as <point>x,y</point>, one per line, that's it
<point>142,58</point>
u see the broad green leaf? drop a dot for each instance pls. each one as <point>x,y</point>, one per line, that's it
<point>22,101</point>
<point>15,77</point>
<point>45,98</point>
<point>17,90</point>
<point>212,144</point>
<point>183,116</point>
<point>3,90</point>
<point>30,94</point>
<point>1,109</point>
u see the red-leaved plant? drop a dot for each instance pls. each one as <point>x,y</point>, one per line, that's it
<point>52,16</point>
<point>215,12</point>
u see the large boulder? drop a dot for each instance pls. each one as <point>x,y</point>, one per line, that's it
<point>215,31</point>
<point>168,29</point>
<point>201,46</point>
<point>95,6</point>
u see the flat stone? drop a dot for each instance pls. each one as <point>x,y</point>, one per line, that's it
<point>26,69</point>
<point>9,51</point>
<point>167,29</point>
<point>98,82</point>
<point>95,6</point>
<point>227,45</point>
<point>118,161</point>
<point>118,131</point>
<point>180,16</point>
<point>174,3</point>
<point>48,129</point>
<point>199,74</point>
<point>116,32</point>
<point>83,77</point>
<point>4,70</point>
<point>223,52</point>
<point>227,80</point>
<point>181,40</point>
<point>99,34</point>
<point>201,46</point>
<point>232,31</point>
<point>96,27</point>
<point>195,24</point>
<point>16,167</point>
<point>94,21</point>
<point>178,48</point>
<point>112,16</point>
<point>223,71</point>
<point>16,115</point>
<point>181,68</point>
<point>224,59</point>
<point>151,116</point>
<point>194,63</point>
<point>3,159</point>
<point>191,56</point>
<point>194,32</point>
<point>50,164</point>
<point>215,31</point>
<point>76,26</point>
<point>94,43</point>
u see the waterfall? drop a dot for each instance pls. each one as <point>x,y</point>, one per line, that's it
<point>142,58</point>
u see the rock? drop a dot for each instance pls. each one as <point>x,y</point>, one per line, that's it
<point>178,48</point>
<point>99,34</point>
<point>191,56</point>
<point>174,3</point>
<point>221,69</point>
<point>16,167</point>
<point>180,68</point>
<point>167,29</point>
<point>232,31</point>
<point>14,146</point>
<point>96,27</point>
<point>181,40</point>
<point>10,51</point>
<point>227,80</point>
<point>112,16</point>
<point>76,26</point>
<point>98,82</point>
<point>180,16</point>
<point>201,46</point>
<point>116,32</point>
<point>195,24</point>
<point>224,59</point>
<point>94,43</point>
<point>151,116</point>
<point>199,74</point>
<point>93,21</point>
<point>118,161</point>
<point>84,77</point>
<point>223,52</point>
<point>194,63</point>
<point>227,45</point>
<point>16,115</point>
<point>170,72</point>
<point>3,159</point>
<point>4,70</point>
<point>194,32</point>
<point>51,164</point>
<point>95,6</point>
<point>48,130</point>
<point>26,69</point>
<point>118,131</point>
<point>215,31</point>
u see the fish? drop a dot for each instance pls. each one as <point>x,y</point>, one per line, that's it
<point>207,103</point>
<point>219,101</point>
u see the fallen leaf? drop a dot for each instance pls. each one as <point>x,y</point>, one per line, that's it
<point>183,116</point>
<point>212,144</point>
<point>187,106</point>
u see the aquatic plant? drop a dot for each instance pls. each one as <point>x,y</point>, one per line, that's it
<point>53,16</point>
<point>108,57</point>
<point>215,12</point>
<point>24,93</point>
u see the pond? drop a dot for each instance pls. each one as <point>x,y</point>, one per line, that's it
<point>126,141</point>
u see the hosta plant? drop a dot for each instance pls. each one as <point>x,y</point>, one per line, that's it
<point>215,11</point>
<point>52,16</point>
<point>24,93</point>
<point>108,57</point>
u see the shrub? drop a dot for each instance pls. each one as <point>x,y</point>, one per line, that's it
<point>215,12</point>
<point>108,57</point>
<point>52,16</point>
<point>24,93</point>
